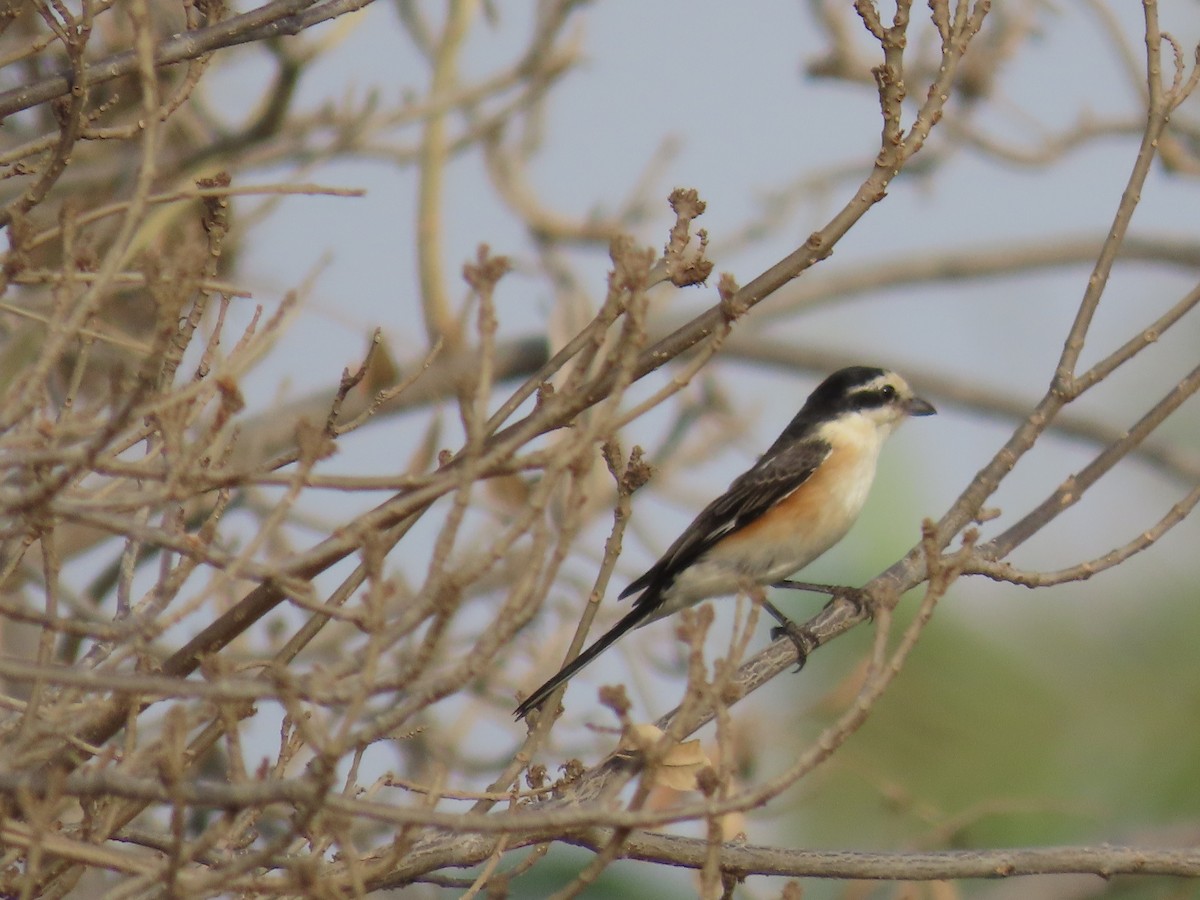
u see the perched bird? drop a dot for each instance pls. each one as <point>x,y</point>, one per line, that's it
<point>796,502</point>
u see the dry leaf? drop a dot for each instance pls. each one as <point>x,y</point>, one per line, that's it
<point>679,766</point>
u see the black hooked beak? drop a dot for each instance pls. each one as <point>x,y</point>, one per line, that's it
<point>918,407</point>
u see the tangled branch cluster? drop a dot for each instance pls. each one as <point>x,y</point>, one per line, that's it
<point>192,706</point>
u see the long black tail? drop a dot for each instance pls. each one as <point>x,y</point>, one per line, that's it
<point>635,617</point>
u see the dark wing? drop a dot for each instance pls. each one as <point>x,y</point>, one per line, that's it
<point>777,474</point>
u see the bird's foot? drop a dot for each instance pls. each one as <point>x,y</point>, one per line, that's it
<point>800,636</point>
<point>857,597</point>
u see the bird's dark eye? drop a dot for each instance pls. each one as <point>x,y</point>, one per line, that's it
<point>887,392</point>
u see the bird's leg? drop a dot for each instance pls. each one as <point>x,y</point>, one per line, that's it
<point>857,597</point>
<point>792,585</point>
<point>797,634</point>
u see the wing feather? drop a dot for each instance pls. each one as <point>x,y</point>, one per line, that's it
<point>773,477</point>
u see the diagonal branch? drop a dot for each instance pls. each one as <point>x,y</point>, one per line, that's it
<point>277,18</point>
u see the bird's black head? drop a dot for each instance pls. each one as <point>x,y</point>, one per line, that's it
<point>878,394</point>
<point>847,389</point>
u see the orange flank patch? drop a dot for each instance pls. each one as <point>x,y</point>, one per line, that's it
<point>820,506</point>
